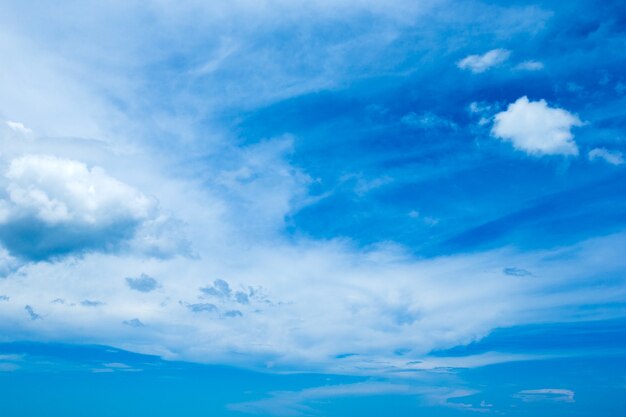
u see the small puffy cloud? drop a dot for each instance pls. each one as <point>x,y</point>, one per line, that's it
<point>31,313</point>
<point>546,394</point>
<point>530,66</point>
<point>143,283</point>
<point>481,63</point>
<point>536,128</point>
<point>57,206</point>
<point>612,157</point>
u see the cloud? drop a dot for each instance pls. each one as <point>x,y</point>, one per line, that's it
<point>202,307</point>
<point>300,403</point>
<point>530,66</point>
<point>536,128</point>
<point>4,298</point>
<point>297,403</point>
<point>233,313</point>
<point>91,303</point>
<point>428,121</point>
<point>56,206</point>
<point>313,301</point>
<point>219,289</point>
<point>31,313</point>
<point>327,296</point>
<point>18,127</point>
<point>8,263</point>
<point>546,394</point>
<point>242,298</point>
<point>143,283</point>
<point>133,323</point>
<point>481,63</point>
<point>612,157</point>
<point>516,272</point>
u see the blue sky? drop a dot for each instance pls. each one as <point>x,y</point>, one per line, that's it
<point>318,208</point>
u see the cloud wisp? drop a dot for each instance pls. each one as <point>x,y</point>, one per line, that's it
<point>481,63</point>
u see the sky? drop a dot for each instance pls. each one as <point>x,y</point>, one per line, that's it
<point>312,208</point>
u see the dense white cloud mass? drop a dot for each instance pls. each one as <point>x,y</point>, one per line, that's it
<point>612,157</point>
<point>481,63</point>
<point>55,206</point>
<point>536,128</point>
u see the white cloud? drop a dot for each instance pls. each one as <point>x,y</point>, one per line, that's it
<point>301,302</point>
<point>612,157</point>
<point>546,394</point>
<point>530,66</point>
<point>56,206</point>
<point>18,127</point>
<point>297,403</point>
<point>481,63</point>
<point>536,128</point>
<point>308,302</point>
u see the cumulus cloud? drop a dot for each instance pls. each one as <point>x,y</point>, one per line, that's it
<point>56,206</point>
<point>143,283</point>
<point>612,157</point>
<point>481,63</point>
<point>536,128</point>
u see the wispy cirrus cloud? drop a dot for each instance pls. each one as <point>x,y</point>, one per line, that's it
<point>481,63</point>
